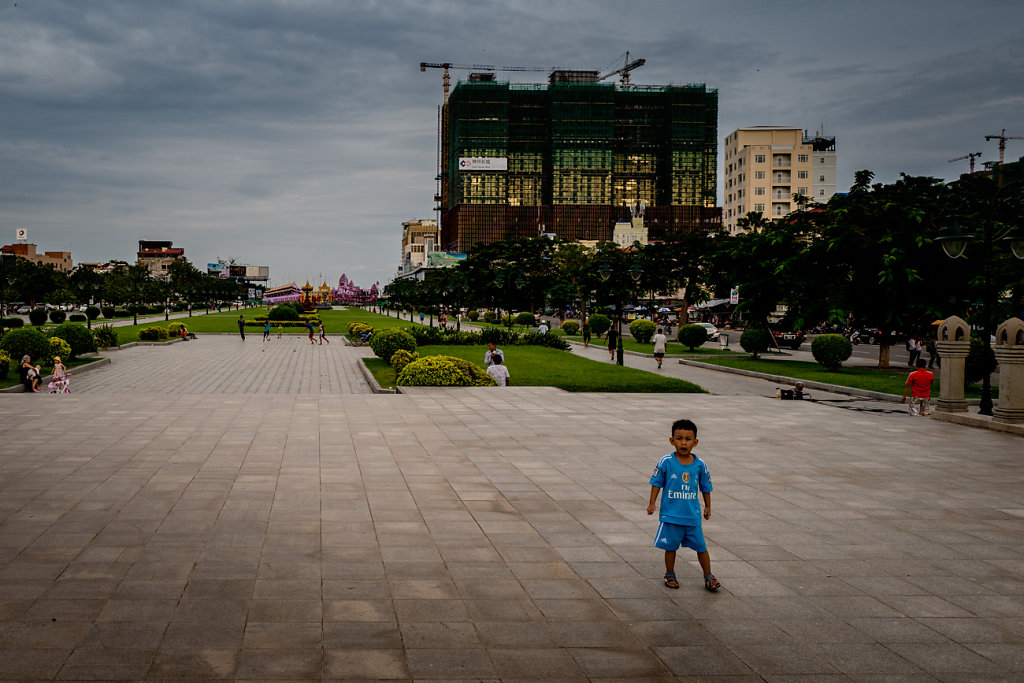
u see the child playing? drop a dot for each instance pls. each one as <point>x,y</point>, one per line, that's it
<point>679,476</point>
<point>919,384</point>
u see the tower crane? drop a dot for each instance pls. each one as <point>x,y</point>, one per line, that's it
<point>626,68</point>
<point>1002,137</point>
<point>447,81</point>
<point>968,156</point>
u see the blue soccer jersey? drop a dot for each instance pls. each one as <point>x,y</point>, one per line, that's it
<point>679,486</point>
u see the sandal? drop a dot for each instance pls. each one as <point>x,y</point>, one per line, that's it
<point>711,583</point>
<point>670,581</point>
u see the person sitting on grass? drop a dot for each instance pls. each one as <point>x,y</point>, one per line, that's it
<point>498,371</point>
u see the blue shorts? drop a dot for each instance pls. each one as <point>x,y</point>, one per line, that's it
<point>671,536</point>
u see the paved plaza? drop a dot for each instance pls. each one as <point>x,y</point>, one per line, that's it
<point>226,510</point>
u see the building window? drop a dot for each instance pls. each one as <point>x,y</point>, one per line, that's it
<point>821,179</point>
<point>821,192</point>
<point>801,190</point>
<point>802,158</point>
<point>759,207</point>
<point>823,160</point>
<point>759,175</point>
<point>759,190</point>
<point>758,158</point>
<point>801,174</point>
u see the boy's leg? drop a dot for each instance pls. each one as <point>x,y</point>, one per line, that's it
<point>705,562</point>
<point>670,569</point>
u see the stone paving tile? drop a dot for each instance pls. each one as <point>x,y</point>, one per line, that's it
<point>196,521</point>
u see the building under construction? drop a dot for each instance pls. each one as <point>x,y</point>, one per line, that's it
<point>571,157</point>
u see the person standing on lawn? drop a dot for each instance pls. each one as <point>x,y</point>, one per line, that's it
<point>499,372</point>
<point>660,343</point>
<point>586,333</point>
<point>613,337</point>
<point>490,353</point>
<point>678,477</point>
<point>919,384</point>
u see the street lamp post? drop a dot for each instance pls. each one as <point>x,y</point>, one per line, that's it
<point>954,240</point>
<point>606,272</point>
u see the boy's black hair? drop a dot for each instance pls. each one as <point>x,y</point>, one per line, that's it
<point>688,425</point>
<point>921,363</point>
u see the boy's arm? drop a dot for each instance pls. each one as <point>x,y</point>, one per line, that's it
<point>906,388</point>
<point>707,504</point>
<point>654,499</point>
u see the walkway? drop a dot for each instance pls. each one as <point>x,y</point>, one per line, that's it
<point>199,530</point>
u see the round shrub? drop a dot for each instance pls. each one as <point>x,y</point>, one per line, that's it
<point>77,336</point>
<point>175,329</point>
<point>443,371</point>
<point>154,333</point>
<point>642,330</point>
<point>37,316</point>
<point>490,316</point>
<point>473,314</point>
<point>57,316</point>
<point>5,364</point>
<point>25,341</point>
<point>92,312</point>
<point>831,350</point>
<point>526,319</point>
<point>755,341</point>
<point>692,336</point>
<point>105,336</point>
<point>122,313</point>
<point>283,312</point>
<point>296,306</point>
<point>401,358</point>
<point>599,324</point>
<point>77,318</point>
<point>59,349</point>
<point>109,312</point>
<point>570,327</point>
<point>977,366</point>
<point>11,323</point>
<point>507,320</point>
<point>386,342</point>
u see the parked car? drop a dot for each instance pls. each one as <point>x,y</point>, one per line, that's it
<point>872,335</point>
<point>24,310</point>
<point>791,339</point>
<point>713,333</point>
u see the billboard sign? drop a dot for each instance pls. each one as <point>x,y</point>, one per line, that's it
<point>22,234</point>
<point>483,163</point>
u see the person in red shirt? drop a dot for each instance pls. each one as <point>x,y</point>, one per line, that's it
<point>919,384</point>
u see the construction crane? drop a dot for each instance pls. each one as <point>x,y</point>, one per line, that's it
<point>1002,137</point>
<point>447,81</point>
<point>968,156</point>
<point>626,68</point>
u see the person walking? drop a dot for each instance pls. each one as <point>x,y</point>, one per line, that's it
<point>309,328</point>
<point>660,343</point>
<point>323,335</point>
<point>933,354</point>
<point>266,331</point>
<point>613,338</point>
<point>919,384</point>
<point>913,351</point>
<point>498,372</point>
<point>241,327</point>
<point>586,333</point>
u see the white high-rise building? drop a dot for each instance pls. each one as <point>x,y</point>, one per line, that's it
<point>765,166</point>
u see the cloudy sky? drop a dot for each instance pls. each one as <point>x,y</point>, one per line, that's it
<point>299,134</point>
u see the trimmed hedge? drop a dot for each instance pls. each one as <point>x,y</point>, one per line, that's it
<point>570,327</point>
<point>386,342</point>
<point>401,358</point>
<point>831,350</point>
<point>443,371</point>
<point>692,336</point>
<point>59,349</point>
<point>473,314</point>
<point>11,323</point>
<point>37,316</point>
<point>490,316</point>
<point>599,324</point>
<point>109,311</point>
<point>5,364</point>
<point>154,333</point>
<point>92,312</point>
<point>642,330</point>
<point>25,341</point>
<point>57,316</point>
<point>526,319</point>
<point>755,341</point>
<point>283,312</point>
<point>78,318</point>
<point>77,336</point>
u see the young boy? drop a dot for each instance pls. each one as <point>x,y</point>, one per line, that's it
<point>679,476</point>
<point>919,384</point>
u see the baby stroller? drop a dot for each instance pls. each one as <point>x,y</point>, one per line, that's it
<point>61,386</point>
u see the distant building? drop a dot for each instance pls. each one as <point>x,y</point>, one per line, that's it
<point>420,238</point>
<point>766,165</point>
<point>239,272</point>
<point>103,267</point>
<point>60,260</point>
<point>157,255</point>
<point>569,157</point>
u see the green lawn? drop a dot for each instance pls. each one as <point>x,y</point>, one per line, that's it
<point>335,322</point>
<point>12,375</point>
<point>540,366</point>
<point>889,381</point>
